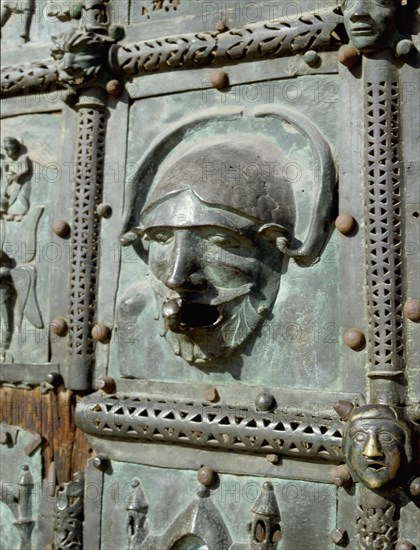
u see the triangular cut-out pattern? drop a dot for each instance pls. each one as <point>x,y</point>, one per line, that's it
<point>383,223</point>
<point>90,158</point>
<point>150,419</point>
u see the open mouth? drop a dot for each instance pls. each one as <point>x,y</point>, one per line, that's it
<point>361,29</point>
<point>198,315</point>
<point>181,315</point>
<point>376,467</point>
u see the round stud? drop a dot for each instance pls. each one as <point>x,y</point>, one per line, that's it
<point>404,47</point>
<point>104,210</point>
<point>412,310</point>
<point>273,458</point>
<point>415,487</point>
<point>101,462</point>
<point>348,56</point>
<point>117,32</point>
<point>207,476</point>
<point>265,402</point>
<point>59,326</point>
<point>338,536</point>
<point>101,333</point>
<point>114,87</point>
<point>221,26</point>
<point>404,545</point>
<point>219,80</point>
<point>311,58</point>
<point>211,394</point>
<point>345,223</point>
<point>107,384</point>
<point>355,339</point>
<point>61,228</point>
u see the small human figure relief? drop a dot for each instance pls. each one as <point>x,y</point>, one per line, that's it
<point>16,174</point>
<point>18,297</point>
<point>24,8</point>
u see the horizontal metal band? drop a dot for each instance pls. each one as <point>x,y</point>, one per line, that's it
<point>28,373</point>
<point>210,426</point>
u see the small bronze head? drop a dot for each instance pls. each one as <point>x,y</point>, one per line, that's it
<point>370,24</point>
<point>377,445</point>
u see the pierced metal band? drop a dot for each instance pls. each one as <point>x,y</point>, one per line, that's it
<point>383,225</point>
<point>90,156</point>
<point>257,41</point>
<point>268,39</point>
<point>210,426</point>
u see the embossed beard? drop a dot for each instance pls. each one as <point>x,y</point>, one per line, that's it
<point>202,329</point>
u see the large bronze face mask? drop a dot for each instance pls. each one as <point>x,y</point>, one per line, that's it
<point>376,445</point>
<point>370,24</point>
<point>211,266</point>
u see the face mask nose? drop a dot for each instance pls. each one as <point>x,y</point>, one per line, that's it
<point>183,272</point>
<point>360,13</point>
<point>372,448</point>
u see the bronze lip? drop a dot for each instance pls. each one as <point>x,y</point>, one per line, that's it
<point>361,28</point>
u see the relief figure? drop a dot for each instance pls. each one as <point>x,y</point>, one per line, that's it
<point>16,177</point>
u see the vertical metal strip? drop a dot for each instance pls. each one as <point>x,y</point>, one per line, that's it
<point>383,231</point>
<point>90,156</point>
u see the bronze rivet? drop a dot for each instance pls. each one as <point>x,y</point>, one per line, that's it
<point>342,477</point>
<point>101,333</point>
<point>273,458</point>
<point>207,476</point>
<point>221,26</point>
<point>311,58</point>
<point>5,438</point>
<point>265,402</point>
<point>114,87</point>
<point>61,228</point>
<point>355,339</point>
<point>415,487</point>
<point>338,536</point>
<point>219,80</point>
<point>345,223</point>
<point>59,326</point>
<point>101,462</point>
<point>412,310</point>
<point>348,56</point>
<point>404,545</point>
<point>104,210</point>
<point>107,384</point>
<point>211,394</point>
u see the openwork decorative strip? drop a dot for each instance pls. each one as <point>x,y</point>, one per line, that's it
<point>261,40</point>
<point>257,41</point>
<point>85,237</point>
<point>40,76</point>
<point>383,223</point>
<point>377,521</point>
<point>210,426</point>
